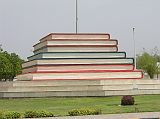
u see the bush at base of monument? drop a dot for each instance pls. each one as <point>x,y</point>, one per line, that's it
<point>10,115</point>
<point>38,114</point>
<point>127,100</point>
<point>84,111</point>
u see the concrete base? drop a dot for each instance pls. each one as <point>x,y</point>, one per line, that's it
<point>78,88</point>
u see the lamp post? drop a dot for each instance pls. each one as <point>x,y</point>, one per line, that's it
<point>135,86</point>
<point>134,47</point>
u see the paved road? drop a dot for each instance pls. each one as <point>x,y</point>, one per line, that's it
<point>115,116</point>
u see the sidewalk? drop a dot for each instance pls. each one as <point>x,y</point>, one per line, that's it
<point>115,116</point>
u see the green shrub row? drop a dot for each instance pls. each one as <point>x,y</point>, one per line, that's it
<point>27,114</point>
<point>10,115</point>
<point>37,114</point>
<point>84,111</point>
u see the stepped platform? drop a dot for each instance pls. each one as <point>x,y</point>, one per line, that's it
<point>83,64</point>
<point>82,75</point>
<point>75,42</point>
<point>65,55</point>
<point>67,88</point>
<point>82,56</point>
<point>91,61</point>
<point>88,36</point>
<point>77,67</point>
<point>77,48</point>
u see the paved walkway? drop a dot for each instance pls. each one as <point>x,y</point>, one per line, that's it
<point>146,115</point>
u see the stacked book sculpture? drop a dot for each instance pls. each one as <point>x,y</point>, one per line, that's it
<point>82,56</point>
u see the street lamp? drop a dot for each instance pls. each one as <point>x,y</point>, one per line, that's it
<point>134,47</point>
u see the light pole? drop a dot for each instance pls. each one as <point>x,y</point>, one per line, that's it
<point>134,47</point>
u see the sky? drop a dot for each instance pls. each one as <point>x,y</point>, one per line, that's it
<point>24,22</point>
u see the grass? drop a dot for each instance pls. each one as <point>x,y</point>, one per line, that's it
<point>61,106</point>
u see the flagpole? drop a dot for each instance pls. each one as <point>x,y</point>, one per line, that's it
<point>76,17</point>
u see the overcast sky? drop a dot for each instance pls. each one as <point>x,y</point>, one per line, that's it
<point>24,22</point>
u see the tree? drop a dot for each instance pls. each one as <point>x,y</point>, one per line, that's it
<point>6,68</point>
<point>156,55</point>
<point>148,63</point>
<point>17,63</point>
<point>10,65</point>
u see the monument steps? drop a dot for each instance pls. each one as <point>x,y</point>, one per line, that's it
<point>79,88</point>
<point>76,36</point>
<point>64,55</point>
<point>75,67</point>
<point>71,88</point>
<point>83,75</point>
<point>51,94</point>
<point>76,93</point>
<point>82,71</point>
<point>80,64</point>
<point>57,42</point>
<point>55,88</point>
<point>80,83</point>
<point>78,48</point>
<point>49,61</point>
<point>50,88</point>
<point>56,83</point>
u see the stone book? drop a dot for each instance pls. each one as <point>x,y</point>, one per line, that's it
<point>65,55</point>
<point>77,36</point>
<point>51,61</point>
<point>75,42</point>
<point>77,48</point>
<point>77,68</point>
<point>71,56</point>
<point>93,75</point>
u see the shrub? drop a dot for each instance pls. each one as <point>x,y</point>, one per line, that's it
<point>148,63</point>
<point>2,115</point>
<point>12,115</point>
<point>37,114</point>
<point>45,114</point>
<point>9,115</point>
<point>127,100</point>
<point>30,114</point>
<point>84,111</point>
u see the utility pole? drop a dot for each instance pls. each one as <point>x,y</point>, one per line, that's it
<point>134,48</point>
<point>76,16</point>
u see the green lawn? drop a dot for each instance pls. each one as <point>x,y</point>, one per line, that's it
<point>60,106</point>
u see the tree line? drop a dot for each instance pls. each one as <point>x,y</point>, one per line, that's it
<point>10,65</point>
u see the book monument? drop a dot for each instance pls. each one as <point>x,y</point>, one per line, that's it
<point>83,64</point>
<point>82,56</point>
